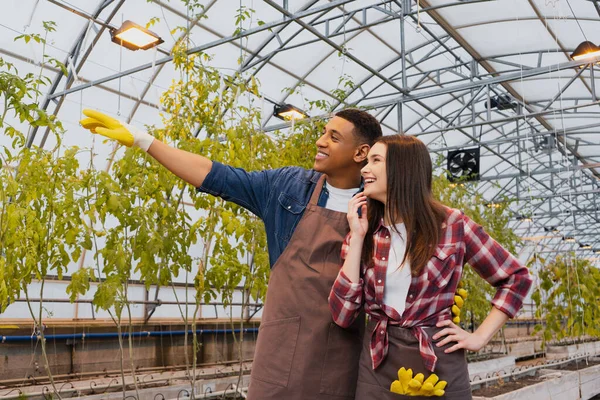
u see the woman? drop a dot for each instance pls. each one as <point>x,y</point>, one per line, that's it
<point>402,260</point>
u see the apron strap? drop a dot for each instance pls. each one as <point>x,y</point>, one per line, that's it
<point>314,198</point>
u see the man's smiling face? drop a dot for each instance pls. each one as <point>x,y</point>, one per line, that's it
<point>336,148</point>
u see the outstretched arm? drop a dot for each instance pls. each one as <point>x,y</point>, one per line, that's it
<point>247,189</point>
<point>190,167</point>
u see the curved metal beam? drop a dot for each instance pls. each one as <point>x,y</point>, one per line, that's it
<point>73,55</point>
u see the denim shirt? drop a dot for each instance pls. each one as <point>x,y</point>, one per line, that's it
<point>278,197</point>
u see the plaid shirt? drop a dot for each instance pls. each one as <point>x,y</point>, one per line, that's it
<point>431,293</point>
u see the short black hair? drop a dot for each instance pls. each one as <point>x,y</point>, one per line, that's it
<point>366,127</point>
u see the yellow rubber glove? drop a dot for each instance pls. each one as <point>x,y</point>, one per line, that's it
<point>400,386</point>
<point>433,386</point>
<point>111,128</point>
<point>405,376</point>
<point>459,302</point>
<point>396,387</point>
<point>438,389</point>
<point>427,387</point>
<point>414,386</point>
<point>417,386</point>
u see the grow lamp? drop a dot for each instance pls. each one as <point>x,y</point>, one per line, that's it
<point>135,37</point>
<point>568,239</point>
<point>493,205</point>
<point>288,112</point>
<point>585,50</point>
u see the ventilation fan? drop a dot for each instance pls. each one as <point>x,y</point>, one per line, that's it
<point>546,144</point>
<point>502,102</point>
<point>463,165</point>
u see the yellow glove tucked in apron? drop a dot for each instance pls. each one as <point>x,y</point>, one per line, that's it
<point>417,386</point>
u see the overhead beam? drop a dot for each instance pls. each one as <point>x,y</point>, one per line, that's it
<point>204,47</point>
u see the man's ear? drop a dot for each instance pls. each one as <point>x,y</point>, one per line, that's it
<point>362,151</point>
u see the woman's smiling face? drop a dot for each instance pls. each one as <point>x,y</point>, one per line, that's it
<point>375,174</point>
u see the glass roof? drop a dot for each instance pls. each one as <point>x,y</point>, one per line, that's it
<point>437,64</point>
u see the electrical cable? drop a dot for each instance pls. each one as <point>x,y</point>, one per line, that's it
<point>576,20</point>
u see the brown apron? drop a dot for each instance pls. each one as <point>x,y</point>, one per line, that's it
<point>404,352</point>
<point>300,352</point>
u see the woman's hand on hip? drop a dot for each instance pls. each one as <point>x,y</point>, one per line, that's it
<point>453,333</point>
<point>358,219</point>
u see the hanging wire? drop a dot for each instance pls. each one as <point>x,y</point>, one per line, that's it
<point>345,48</point>
<point>565,157</point>
<point>576,20</point>
<point>530,158</point>
<point>31,15</point>
<point>120,70</point>
<point>569,194</point>
<point>418,28</point>
<point>241,38</point>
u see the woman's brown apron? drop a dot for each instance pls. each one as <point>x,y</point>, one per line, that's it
<point>300,352</point>
<point>404,352</point>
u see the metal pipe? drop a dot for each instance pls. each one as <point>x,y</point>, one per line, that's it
<point>155,302</point>
<point>516,118</point>
<point>113,335</point>
<point>541,172</point>
<point>490,81</point>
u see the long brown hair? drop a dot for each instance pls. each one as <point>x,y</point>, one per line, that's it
<point>409,199</point>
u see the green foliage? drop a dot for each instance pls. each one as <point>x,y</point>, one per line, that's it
<point>243,13</point>
<point>40,209</point>
<point>41,228</point>
<point>80,282</point>
<point>345,86</point>
<point>18,95</point>
<point>567,298</point>
<point>213,104</point>
<point>152,22</point>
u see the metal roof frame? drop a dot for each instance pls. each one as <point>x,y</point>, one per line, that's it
<point>467,80</point>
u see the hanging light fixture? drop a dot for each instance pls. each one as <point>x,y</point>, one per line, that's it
<point>568,239</point>
<point>585,246</point>
<point>288,112</point>
<point>135,37</point>
<point>493,205</point>
<point>585,50</point>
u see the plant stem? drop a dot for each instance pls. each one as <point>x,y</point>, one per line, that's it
<point>185,321</point>
<point>130,341</point>
<point>39,323</point>
<point>118,320</point>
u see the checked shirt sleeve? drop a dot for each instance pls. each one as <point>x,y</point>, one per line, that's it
<point>497,266</point>
<point>346,297</point>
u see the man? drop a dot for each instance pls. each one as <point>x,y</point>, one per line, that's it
<point>300,353</point>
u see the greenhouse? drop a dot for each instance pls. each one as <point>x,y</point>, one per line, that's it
<point>329,200</point>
